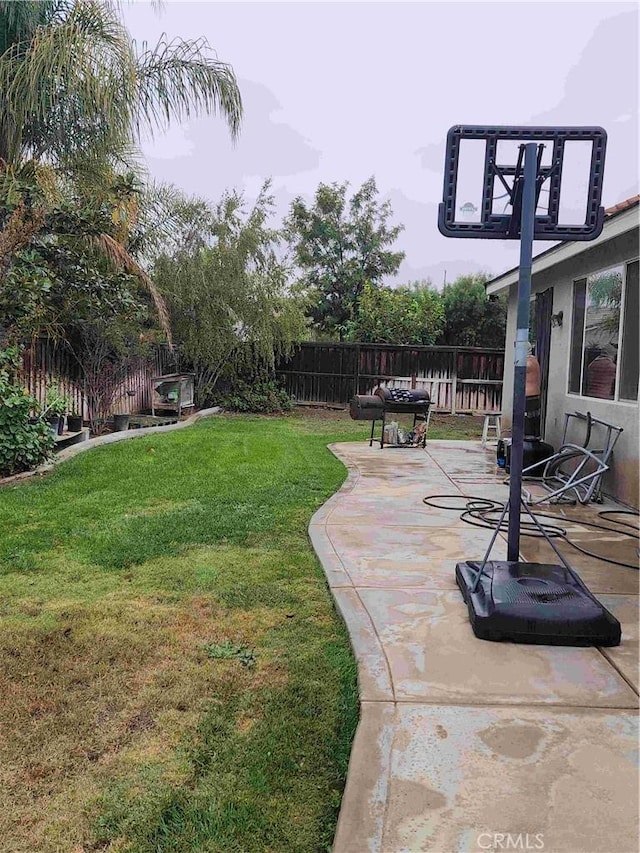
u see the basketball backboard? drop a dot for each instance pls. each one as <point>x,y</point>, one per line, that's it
<point>483,182</point>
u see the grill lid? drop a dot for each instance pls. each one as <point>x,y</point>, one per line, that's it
<point>402,395</point>
<point>401,399</point>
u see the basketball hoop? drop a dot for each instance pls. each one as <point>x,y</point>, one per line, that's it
<point>527,167</point>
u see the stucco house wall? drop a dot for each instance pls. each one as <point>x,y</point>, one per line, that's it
<point>622,482</point>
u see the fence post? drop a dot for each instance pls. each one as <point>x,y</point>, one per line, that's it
<point>454,382</point>
<point>356,374</point>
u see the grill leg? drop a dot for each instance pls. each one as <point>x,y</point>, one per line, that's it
<point>373,426</point>
<point>426,419</point>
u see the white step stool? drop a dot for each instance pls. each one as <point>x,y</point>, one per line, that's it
<point>492,422</point>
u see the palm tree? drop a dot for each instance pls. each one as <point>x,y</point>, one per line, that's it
<point>76,96</point>
<point>75,88</point>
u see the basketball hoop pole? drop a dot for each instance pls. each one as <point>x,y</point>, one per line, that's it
<point>527,222</point>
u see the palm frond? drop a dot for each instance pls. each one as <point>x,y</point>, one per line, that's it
<point>179,78</point>
<point>71,81</point>
<point>68,84</point>
<point>120,258</point>
<point>18,21</point>
<point>21,227</point>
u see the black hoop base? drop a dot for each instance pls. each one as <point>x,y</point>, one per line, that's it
<point>534,603</point>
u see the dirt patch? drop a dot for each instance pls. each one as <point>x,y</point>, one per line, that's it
<point>109,686</point>
<point>323,413</point>
<point>245,723</point>
<point>457,425</point>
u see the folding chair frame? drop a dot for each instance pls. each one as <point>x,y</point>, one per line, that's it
<point>585,486</point>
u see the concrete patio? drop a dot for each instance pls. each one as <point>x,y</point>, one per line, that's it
<point>467,745</point>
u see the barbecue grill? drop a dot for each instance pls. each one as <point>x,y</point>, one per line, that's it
<point>398,401</point>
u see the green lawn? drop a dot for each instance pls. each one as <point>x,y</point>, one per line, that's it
<point>174,675</point>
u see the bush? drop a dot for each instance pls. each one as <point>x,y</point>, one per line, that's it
<point>261,397</point>
<point>25,441</point>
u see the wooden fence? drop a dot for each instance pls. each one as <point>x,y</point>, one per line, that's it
<point>44,364</point>
<point>458,379</point>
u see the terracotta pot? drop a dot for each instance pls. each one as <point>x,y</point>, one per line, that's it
<point>601,377</point>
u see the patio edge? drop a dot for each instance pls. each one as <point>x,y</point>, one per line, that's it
<point>375,687</point>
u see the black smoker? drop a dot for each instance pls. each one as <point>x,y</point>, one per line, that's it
<point>375,407</point>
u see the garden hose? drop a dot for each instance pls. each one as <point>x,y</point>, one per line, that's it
<point>478,511</point>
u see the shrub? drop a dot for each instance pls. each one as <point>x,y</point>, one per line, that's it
<point>25,441</point>
<point>56,403</point>
<point>261,397</point>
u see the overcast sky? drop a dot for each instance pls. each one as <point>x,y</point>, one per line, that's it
<point>343,91</point>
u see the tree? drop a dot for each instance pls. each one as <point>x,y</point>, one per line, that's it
<point>49,236</point>
<point>170,221</point>
<point>76,96</point>
<point>472,318</point>
<point>605,295</point>
<point>227,295</point>
<point>75,89</point>
<point>412,314</point>
<point>338,246</point>
<point>65,272</point>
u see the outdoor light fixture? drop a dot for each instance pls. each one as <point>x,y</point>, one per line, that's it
<point>556,319</point>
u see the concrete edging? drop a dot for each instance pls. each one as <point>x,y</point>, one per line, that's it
<point>111,438</point>
<point>374,676</point>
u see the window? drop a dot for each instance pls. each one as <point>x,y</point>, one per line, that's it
<point>604,358</point>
